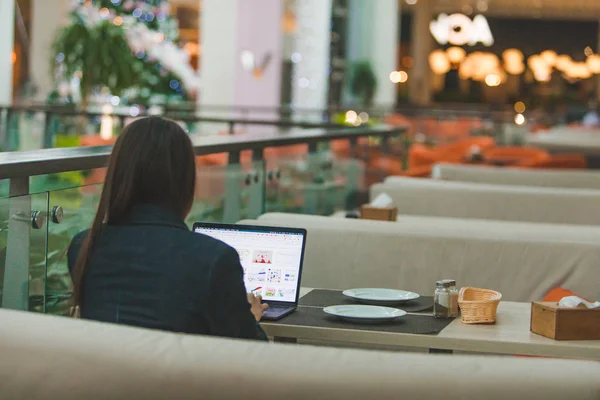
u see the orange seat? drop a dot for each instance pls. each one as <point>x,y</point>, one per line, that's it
<point>556,294</point>
<point>524,157</point>
<point>419,155</point>
<point>423,171</point>
<point>566,161</point>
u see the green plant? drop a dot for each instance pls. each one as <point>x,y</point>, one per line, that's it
<point>363,82</point>
<point>105,45</point>
<point>98,54</point>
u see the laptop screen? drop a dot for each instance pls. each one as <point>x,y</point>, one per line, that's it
<point>271,257</point>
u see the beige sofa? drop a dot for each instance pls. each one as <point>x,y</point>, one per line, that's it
<point>484,201</point>
<point>49,358</point>
<point>575,179</point>
<point>523,264</point>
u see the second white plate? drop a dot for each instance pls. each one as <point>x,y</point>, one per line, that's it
<point>360,313</point>
<point>380,296</point>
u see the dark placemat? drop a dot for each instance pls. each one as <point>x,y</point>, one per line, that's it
<point>326,298</point>
<point>410,323</point>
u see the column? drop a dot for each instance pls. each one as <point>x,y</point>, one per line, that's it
<point>422,44</point>
<point>312,42</point>
<point>386,31</point>
<point>47,17</point>
<point>7,26</point>
<point>237,30</point>
<point>373,36</point>
<point>218,26</point>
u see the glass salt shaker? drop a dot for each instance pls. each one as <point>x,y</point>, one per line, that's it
<point>445,299</point>
<point>441,300</point>
<point>453,299</point>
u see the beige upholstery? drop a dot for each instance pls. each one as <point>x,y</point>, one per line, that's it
<point>582,179</point>
<point>500,202</point>
<point>521,262</point>
<point>563,139</point>
<point>48,358</point>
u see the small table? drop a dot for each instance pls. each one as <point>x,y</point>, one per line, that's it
<point>510,335</point>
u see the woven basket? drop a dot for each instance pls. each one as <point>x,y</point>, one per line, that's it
<point>478,306</point>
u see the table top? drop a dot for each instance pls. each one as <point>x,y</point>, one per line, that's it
<point>510,335</point>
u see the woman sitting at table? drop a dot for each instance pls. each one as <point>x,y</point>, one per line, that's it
<point>139,264</point>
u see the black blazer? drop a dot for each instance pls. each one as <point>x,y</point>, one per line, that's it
<point>152,272</point>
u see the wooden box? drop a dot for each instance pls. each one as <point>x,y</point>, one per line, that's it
<point>378,213</point>
<point>547,319</point>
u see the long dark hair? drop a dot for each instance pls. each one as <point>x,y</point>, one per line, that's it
<point>152,162</point>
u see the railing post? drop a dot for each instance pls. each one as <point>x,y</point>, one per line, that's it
<point>48,130</point>
<point>233,184</point>
<point>354,178</point>
<point>256,207</point>
<point>11,140</point>
<point>3,123</point>
<point>16,273</point>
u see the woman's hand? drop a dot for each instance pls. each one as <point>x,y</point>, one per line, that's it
<point>256,306</point>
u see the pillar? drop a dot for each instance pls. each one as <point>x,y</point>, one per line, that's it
<point>373,36</point>
<point>310,77</point>
<point>218,21</point>
<point>47,17</point>
<point>229,29</point>
<point>385,49</point>
<point>7,26</point>
<point>422,44</point>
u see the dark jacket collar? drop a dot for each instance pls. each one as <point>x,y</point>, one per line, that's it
<point>152,214</point>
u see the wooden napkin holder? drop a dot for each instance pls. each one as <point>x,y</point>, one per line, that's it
<point>378,213</point>
<point>559,323</point>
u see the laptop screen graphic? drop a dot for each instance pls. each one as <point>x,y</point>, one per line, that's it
<point>271,259</point>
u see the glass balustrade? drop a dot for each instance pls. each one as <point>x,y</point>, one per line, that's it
<point>313,183</point>
<point>36,230</point>
<point>23,257</point>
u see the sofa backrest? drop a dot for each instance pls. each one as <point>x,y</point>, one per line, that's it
<point>484,201</point>
<point>575,179</point>
<point>412,255</point>
<point>48,358</point>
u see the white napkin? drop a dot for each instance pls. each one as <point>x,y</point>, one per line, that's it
<point>382,201</point>
<point>574,302</point>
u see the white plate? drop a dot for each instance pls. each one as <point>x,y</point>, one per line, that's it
<point>359,313</point>
<point>380,296</point>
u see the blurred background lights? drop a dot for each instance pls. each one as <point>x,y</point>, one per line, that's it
<point>520,107</point>
<point>134,111</point>
<point>351,116</point>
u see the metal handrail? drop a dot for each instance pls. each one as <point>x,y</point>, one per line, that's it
<point>459,109</point>
<point>187,117</point>
<point>24,164</point>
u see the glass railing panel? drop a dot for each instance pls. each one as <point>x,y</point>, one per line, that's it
<point>71,211</point>
<point>23,244</point>
<point>228,193</point>
<point>313,183</point>
<point>66,180</point>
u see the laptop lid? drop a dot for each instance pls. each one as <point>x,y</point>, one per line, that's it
<point>272,258</point>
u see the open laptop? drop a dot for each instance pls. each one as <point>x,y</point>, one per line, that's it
<point>272,260</point>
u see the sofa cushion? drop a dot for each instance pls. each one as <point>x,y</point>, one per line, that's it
<point>484,201</point>
<point>518,177</point>
<point>412,255</point>
<point>48,358</point>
